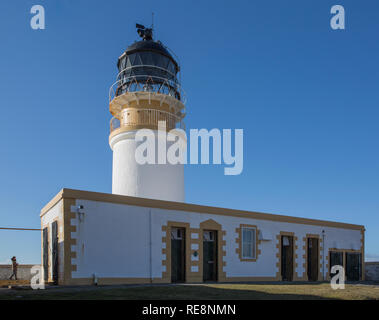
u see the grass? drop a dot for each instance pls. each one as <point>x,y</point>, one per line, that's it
<point>6,283</point>
<point>247,291</point>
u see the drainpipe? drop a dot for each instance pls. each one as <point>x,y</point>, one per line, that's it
<point>150,249</point>
<point>323,255</point>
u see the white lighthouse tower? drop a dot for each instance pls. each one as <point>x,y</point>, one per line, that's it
<point>147,90</point>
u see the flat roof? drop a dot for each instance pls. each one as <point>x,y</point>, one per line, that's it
<point>181,206</point>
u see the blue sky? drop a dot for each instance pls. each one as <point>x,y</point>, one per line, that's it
<point>306,96</point>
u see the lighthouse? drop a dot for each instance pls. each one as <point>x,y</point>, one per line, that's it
<point>155,241</point>
<point>146,92</point>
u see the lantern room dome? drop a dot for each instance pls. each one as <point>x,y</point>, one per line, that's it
<point>154,47</point>
<point>147,65</point>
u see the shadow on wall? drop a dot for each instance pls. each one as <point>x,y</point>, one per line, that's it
<point>372,271</point>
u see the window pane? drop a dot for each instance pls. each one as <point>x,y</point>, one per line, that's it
<point>246,235</point>
<point>248,242</point>
<point>246,250</point>
<point>176,234</point>
<point>248,253</point>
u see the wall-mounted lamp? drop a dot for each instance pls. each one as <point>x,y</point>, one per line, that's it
<point>80,214</point>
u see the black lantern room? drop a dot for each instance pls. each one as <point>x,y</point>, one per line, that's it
<point>147,65</point>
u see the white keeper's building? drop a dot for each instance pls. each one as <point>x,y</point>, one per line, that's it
<point>144,232</point>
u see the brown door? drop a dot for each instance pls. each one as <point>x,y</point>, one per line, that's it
<point>313,259</point>
<point>178,261</point>
<point>287,258</point>
<point>209,255</point>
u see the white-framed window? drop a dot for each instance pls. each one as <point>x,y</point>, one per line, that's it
<point>249,239</point>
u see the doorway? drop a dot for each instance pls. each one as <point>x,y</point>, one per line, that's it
<point>178,260</point>
<point>336,259</point>
<point>353,266</point>
<point>312,259</point>
<point>210,255</point>
<point>287,258</point>
<point>351,261</point>
<point>54,254</point>
<point>45,241</point>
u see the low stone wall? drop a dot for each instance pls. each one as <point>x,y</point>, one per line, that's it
<point>23,271</point>
<point>372,271</point>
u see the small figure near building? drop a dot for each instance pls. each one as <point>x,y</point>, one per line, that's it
<point>14,268</point>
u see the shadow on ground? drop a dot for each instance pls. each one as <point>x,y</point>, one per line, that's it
<point>169,292</point>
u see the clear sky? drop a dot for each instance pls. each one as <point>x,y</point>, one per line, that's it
<point>306,96</point>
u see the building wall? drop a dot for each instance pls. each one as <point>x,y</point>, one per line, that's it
<point>372,271</point>
<point>23,271</point>
<point>113,240</point>
<point>54,214</point>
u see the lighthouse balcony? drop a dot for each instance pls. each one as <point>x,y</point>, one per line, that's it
<point>153,84</point>
<point>134,119</point>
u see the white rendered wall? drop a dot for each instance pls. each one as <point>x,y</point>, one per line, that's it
<point>55,213</point>
<point>113,241</point>
<point>154,181</point>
